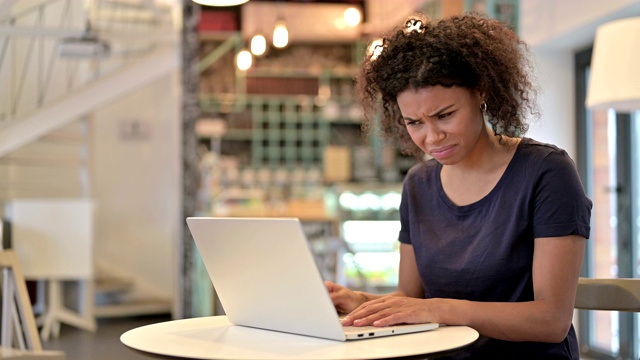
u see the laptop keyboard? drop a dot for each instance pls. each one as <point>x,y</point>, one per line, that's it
<point>358,329</point>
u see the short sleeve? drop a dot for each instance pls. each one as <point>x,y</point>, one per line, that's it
<point>561,206</point>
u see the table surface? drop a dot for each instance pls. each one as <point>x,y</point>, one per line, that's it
<point>214,337</point>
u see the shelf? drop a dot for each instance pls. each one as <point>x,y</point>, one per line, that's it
<point>290,131</point>
<point>345,121</point>
<point>238,134</point>
<point>342,73</point>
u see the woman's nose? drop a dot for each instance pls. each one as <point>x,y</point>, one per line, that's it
<point>433,134</point>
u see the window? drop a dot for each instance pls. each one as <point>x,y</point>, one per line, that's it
<point>609,163</point>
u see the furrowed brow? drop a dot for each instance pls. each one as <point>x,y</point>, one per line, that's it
<point>406,118</point>
<point>440,111</point>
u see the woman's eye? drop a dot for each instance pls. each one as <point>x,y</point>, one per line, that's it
<point>411,123</point>
<point>444,116</point>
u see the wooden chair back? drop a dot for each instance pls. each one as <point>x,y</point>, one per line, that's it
<point>608,294</point>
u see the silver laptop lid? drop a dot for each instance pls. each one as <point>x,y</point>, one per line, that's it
<point>264,274</point>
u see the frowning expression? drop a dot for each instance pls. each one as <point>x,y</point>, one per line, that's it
<point>445,122</point>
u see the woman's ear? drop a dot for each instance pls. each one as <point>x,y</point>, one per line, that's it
<point>482,100</point>
<point>482,96</point>
<point>481,92</point>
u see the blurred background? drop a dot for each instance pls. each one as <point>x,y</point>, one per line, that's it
<point>119,118</point>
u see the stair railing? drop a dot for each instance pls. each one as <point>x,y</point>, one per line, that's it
<point>46,47</point>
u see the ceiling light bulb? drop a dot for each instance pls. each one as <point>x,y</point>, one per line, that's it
<point>220,2</point>
<point>352,17</point>
<point>258,45</point>
<point>244,60</point>
<point>280,35</point>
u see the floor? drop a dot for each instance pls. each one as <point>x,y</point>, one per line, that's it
<point>105,343</point>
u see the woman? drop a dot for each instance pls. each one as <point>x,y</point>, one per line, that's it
<point>493,224</point>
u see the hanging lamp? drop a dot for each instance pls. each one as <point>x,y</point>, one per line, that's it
<point>220,2</point>
<point>614,81</point>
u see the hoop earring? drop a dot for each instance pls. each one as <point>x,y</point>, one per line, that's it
<point>483,107</point>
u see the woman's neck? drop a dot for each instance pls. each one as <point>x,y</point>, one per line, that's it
<point>491,152</point>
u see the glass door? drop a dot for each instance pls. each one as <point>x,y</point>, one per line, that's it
<point>634,121</point>
<point>608,163</point>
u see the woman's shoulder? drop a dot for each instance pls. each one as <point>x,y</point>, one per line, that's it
<point>537,150</point>
<point>538,146</point>
<point>539,156</point>
<point>424,169</point>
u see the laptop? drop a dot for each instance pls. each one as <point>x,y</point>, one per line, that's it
<point>265,277</point>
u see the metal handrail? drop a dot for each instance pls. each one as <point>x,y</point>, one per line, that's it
<point>32,73</point>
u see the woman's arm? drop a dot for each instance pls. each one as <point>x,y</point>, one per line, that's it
<point>556,268</point>
<point>409,284</point>
<point>346,300</point>
<point>409,281</point>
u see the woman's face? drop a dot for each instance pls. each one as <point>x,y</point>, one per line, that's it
<point>445,122</point>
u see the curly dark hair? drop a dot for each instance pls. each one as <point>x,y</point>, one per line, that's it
<point>469,51</point>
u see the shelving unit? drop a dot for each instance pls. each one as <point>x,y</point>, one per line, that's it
<point>296,101</point>
<point>284,130</point>
<point>283,114</point>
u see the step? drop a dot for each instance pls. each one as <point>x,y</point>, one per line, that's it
<point>113,299</point>
<point>113,285</point>
<point>133,308</point>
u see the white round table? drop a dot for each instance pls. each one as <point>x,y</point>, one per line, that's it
<point>215,337</point>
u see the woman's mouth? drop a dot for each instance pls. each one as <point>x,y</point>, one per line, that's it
<point>442,152</point>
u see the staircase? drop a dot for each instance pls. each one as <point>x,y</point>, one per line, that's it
<point>55,166</point>
<point>48,84</point>
<point>46,101</point>
<point>34,125</point>
<point>114,298</point>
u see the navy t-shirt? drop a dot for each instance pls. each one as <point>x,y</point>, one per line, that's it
<point>484,251</point>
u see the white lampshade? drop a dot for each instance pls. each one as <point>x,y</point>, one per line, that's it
<point>614,81</point>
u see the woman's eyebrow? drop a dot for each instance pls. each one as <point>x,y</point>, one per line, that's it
<point>434,114</point>
<point>440,111</point>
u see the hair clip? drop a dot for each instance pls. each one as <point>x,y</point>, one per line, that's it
<point>414,25</point>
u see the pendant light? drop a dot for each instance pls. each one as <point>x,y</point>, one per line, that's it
<point>244,59</point>
<point>220,2</point>
<point>280,34</point>
<point>614,78</point>
<point>352,17</point>
<point>258,45</point>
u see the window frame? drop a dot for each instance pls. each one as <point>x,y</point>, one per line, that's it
<point>626,211</point>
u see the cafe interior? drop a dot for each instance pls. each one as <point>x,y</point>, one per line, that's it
<point>121,118</point>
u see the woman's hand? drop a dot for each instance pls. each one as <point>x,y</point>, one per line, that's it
<point>344,299</point>
<point>390,310</point>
